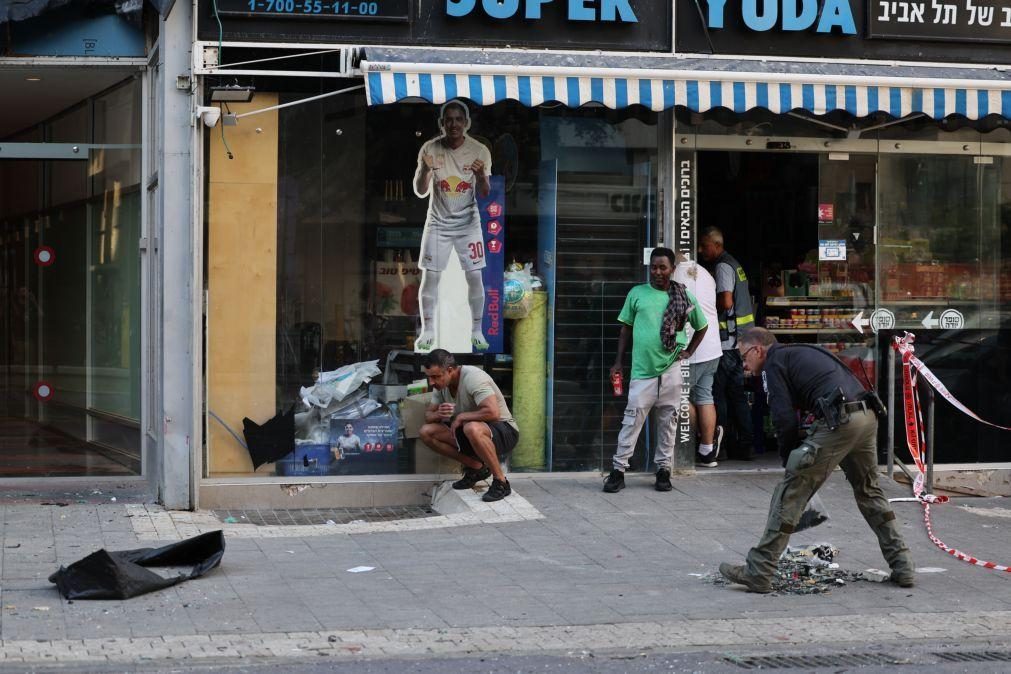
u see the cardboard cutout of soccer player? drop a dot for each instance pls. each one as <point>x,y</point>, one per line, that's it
<point>453,170</point>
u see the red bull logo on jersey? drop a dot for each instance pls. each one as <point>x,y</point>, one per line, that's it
<point>454,186</point>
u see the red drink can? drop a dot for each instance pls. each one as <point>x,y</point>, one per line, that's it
<point>616,383</point>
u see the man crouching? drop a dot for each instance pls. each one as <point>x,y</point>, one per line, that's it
<point>469,422</point>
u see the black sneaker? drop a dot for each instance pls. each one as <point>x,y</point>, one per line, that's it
<point>663,480</point>
<point>498,490</point>
<point>615,482</point>
<point>472,476</point>
<point>717,441</point>
<point>707,460</point>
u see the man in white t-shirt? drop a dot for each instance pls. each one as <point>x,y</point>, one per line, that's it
<point>704,362</point>
<point>453,169</point>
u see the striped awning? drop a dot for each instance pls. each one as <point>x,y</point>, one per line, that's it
<point>659,90</point>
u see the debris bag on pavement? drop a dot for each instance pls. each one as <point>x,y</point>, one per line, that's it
<point>121,575</point>
<point>813,515</point>
<point>269,442</point>
<point>818,554</point>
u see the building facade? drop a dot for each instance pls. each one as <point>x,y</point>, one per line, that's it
<point>263,156</point>
<point>854,161</point>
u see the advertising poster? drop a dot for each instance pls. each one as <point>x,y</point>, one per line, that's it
<point>397,287</point>
<point>458,244</point>
<point>831,250</point>
<point>364,446</point>
<point>493,217</point>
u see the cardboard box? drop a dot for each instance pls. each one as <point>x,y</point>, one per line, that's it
<point>412,413</point>
<point>427,462</point>
<point>385,393</point>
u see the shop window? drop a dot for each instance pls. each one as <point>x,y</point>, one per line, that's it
<point>315,239</point>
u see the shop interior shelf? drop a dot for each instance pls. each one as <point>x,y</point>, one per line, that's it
<point>814,331</point>
<point>933,302</point>
<point>809,301</point>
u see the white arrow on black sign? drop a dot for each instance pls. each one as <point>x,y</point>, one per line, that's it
<point>929,322</point>
<point>859,322</point>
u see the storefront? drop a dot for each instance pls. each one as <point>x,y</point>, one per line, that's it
<point>834,182</point>
<point>863,183</point>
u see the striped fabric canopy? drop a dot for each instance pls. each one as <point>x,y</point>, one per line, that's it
<point>860,99</point>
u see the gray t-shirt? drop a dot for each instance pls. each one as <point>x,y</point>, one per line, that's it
<point>475,385</point>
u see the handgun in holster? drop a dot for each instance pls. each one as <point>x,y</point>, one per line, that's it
<point>829,409</point>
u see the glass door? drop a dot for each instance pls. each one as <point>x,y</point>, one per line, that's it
<point>70,292</point>
<point>940,236</point>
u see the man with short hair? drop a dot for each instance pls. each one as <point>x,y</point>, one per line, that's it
<point>654,317</point>
<point>469,422</point>
<point>704,362</point>
<point>349,442</point>
<point>734,310</point>
<point>809,378</point>
<point>453,168</point>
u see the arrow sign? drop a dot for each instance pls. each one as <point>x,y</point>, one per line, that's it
<point>856,236</point>
<point>859,322</point>
<point>929,322</point>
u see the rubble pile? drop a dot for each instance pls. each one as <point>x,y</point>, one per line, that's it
<point>807,569</point>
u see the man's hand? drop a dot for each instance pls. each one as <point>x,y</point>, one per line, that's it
<point>429,160</point>
<point>477,167</point>
<point>445,411</point>
<point>455,425</point>
<point>615,369</point>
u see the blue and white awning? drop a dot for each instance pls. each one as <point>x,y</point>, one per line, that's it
<point>818,93</point>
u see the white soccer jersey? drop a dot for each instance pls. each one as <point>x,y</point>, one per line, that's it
<point>453,201</point>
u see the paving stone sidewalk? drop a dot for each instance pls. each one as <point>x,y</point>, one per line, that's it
<point>562,567</point>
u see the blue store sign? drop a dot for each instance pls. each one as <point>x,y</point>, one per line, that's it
<point>825,16</point>
<point>576,10</point>
<point>956,31</point>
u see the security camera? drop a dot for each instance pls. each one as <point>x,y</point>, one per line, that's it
<point>209,115</point>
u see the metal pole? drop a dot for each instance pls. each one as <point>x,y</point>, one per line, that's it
<point>930,439</point>
<point>891,412</point>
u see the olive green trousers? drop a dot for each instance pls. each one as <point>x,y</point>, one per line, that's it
<point>853,447</point>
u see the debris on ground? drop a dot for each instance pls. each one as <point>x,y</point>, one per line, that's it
<point>875,575</point>
<point>806,569</point>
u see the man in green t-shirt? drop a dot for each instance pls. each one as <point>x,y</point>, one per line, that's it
<point>654,383</point>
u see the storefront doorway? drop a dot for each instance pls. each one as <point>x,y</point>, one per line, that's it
<point>70,206</point>
<point>848,242</point>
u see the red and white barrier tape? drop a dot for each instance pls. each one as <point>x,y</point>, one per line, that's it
<point>911,368</point>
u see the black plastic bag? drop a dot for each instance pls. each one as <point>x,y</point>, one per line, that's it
<point>814,514</point>
<point>272,440</point>
<point>121,575</point>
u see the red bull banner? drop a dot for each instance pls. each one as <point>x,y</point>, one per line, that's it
<point>492,209</point>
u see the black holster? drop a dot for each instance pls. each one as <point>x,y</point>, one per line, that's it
<point>829,409</point>
<point>874,403</point>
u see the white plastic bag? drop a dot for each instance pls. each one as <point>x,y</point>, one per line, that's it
<point>336,385</point>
